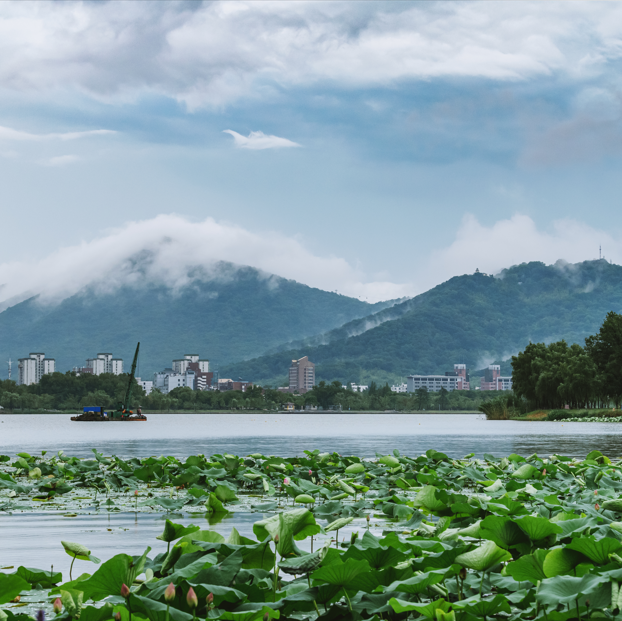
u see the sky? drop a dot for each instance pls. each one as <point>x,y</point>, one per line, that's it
<point>374,149</point>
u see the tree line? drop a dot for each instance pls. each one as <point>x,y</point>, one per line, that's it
<point>71,392</point>
<point>555,375</point>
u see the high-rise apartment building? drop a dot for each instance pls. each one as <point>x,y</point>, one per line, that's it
<point>181,365</point>
<point>105,363</point>
<point>301,375</point>
<point>33,368</point>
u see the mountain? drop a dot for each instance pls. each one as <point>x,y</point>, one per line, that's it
<point>238,313</point>
<point>475,319</point>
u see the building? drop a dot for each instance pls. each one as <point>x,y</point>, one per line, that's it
<point>493,380</point>
<point>188,371</point>
<point>181,365</point>
<point>357,387</point>
<point>33,368</point>
<point>146,385</point>
<point>105,363</point>
<point>458,379</point>
<point>399,388</point>
<point>288,407</point>
<point>301,375</point>
<point>227,384</point>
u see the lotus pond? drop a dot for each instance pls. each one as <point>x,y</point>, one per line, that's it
<point>330,537</point>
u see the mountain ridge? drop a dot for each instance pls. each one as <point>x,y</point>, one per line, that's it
<point>475,319</point>
<point>237,314</point>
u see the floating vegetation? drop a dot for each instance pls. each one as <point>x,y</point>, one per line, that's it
<point>510,538</point>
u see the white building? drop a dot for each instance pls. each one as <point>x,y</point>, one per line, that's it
<point>167,380</point>
<point>358,387</point>
<point>105,363</point>
<point>399,388</point>
<point>32,369</point>
<point>432,382</point>
<point>181,365</point>
<point>147,385</point>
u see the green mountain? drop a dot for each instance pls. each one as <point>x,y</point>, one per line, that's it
<point>240,313</point>
<point>475,319</point>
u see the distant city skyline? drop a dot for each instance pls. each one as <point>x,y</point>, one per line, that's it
<point>351,140</point>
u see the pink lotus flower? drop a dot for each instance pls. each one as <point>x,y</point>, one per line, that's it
<point>169,594</point>
<point>285,481</point>
<point>310,472</point>
<point>125,592</point>
<point>58,606</point>
<point>191,598</point>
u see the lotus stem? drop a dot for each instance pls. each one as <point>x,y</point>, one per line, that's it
<point>71,566</point>
<point>347,598</point>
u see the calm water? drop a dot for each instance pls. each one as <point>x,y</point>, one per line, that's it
<point>291,434</point>
<point>34,539</point>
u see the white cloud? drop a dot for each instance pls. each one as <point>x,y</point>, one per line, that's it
<point>518,240</point>
<point>213,53</point>
<point>259,140</point>
<point>61,160</point>
<point>171,250</point>
<point>7,133</point>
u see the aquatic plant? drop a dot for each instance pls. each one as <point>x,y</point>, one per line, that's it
<point>430,537</point>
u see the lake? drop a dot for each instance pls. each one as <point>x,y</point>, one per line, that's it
<point>33,539</point>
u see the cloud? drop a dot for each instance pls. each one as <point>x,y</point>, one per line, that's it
<point>213,53</point>
<point>6,133</point>
<point>61,160</point>
<point>518,240</point>
<point>259,140</point>
<point>173,251</point>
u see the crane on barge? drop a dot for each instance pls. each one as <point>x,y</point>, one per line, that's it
<point>123,411</point>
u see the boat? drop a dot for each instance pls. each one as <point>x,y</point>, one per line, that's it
<point>122,413</point>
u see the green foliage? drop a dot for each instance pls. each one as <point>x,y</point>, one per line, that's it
<point>527,548</point>
<point>554,375</point>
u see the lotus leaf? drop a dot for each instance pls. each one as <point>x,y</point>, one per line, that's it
<point>529,567</point>
<point>337,524</point>
<point>11,586</point>
<point>561,561</point>
<point>342,574</point>
<point>304,499</point>
<point>484,557</point>
<point>526,471</point>
<point>175,531</point>
<point>355,468</point>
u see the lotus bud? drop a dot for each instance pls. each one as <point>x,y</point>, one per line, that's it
<point>544,472</point>
<point>116,616</point>
<point>57,605</point>
<point>125,592</point>
<point>286,481</point>
<point>210,599</point>
<point>310,472</point>
<point>191,599</point>
<point>266,617</point>
<point>135,492</point>
<point>597,506</point>
<point>169,594</point>
<point>40,616</point>
<point>276,538</point>
<point>595,492</point>
<point>463,574</point>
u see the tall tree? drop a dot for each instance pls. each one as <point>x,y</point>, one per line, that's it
<point>605,349</point>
